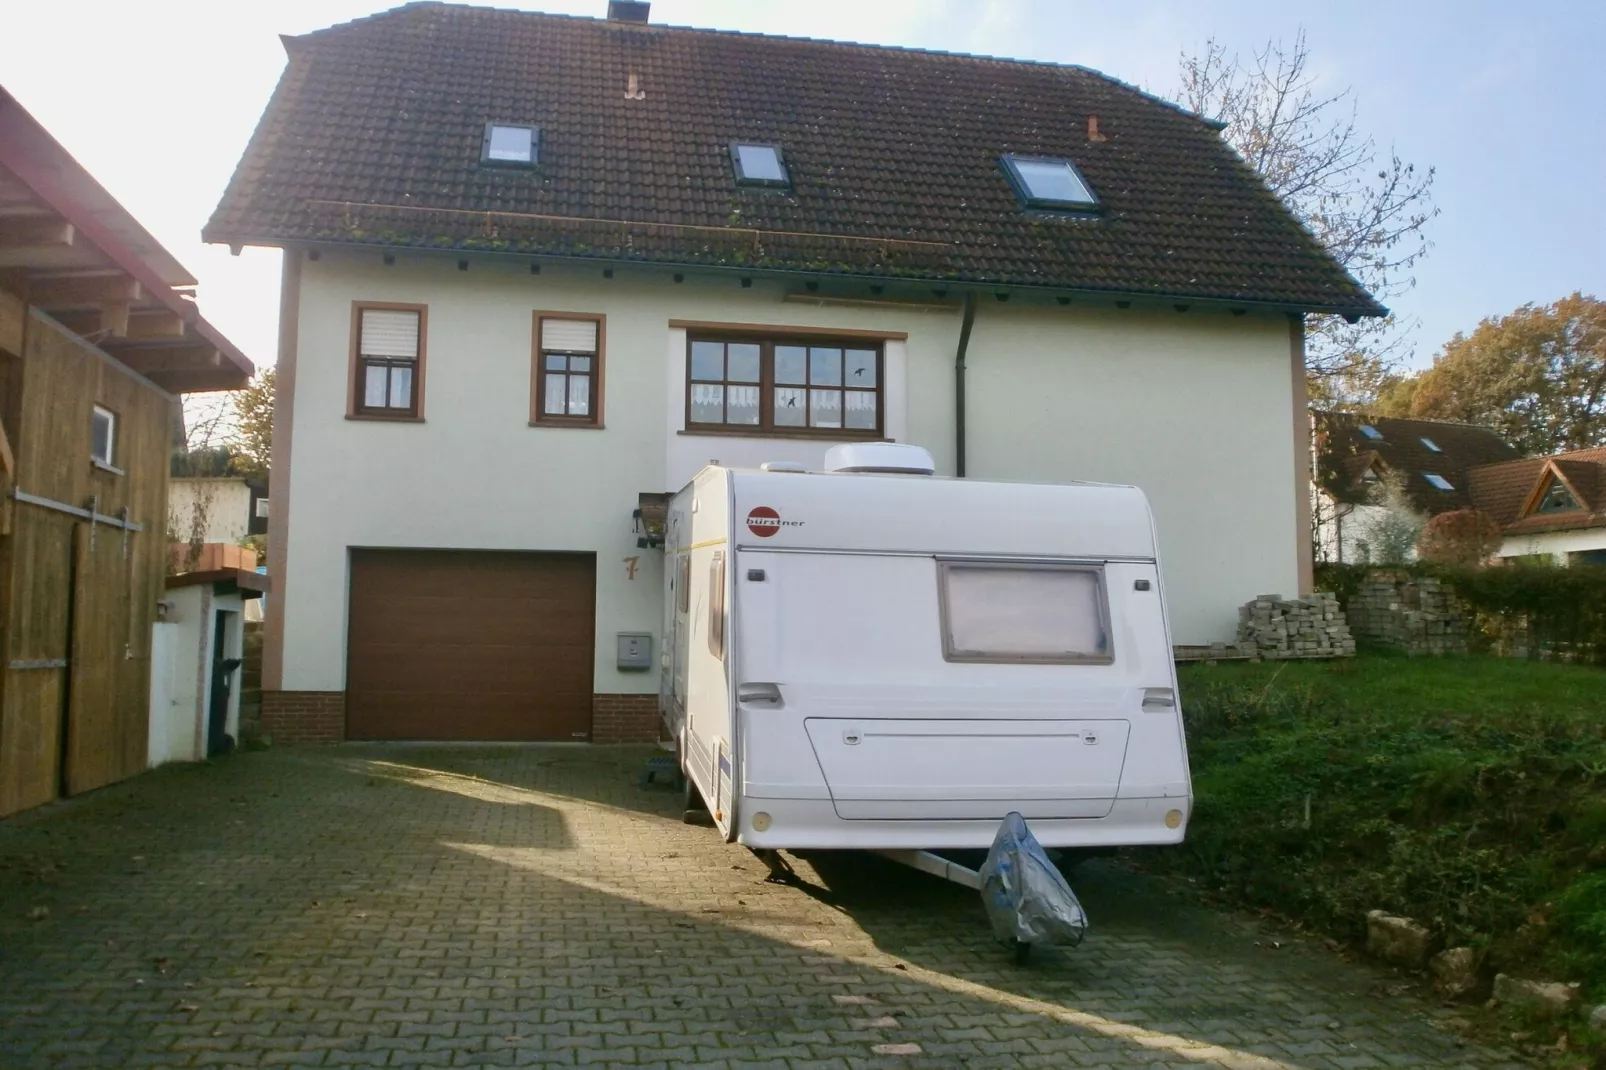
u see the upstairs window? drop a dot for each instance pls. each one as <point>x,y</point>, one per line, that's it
<point>514,146</point>
<point>1371,432</point>
<point>568,374</point>
<point>103,437</point>
<point>1432,445</point>
<point>1557,499</point>
<point>1437,481</point>
<point>1049,182</point>
<point>389,369</point>
<point>808,387</point>
<point>759,165</point>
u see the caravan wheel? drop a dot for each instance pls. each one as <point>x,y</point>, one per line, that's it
<point>694,811</point>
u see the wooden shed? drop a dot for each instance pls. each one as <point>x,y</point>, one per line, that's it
<point>99,333</point>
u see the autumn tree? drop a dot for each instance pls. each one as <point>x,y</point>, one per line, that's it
<point>1464,537</point>
<point>252,440</point>
<point>1369,209</point>
<point>1537,376</point>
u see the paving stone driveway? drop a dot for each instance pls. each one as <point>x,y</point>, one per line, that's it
<point>465,906</point>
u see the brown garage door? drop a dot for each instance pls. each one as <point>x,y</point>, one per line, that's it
<point>470,645</point>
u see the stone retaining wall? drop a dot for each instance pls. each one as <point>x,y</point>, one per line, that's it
<point>1414,614</point>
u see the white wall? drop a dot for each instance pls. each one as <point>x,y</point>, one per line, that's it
<point>1196,408</point>
<point>1556,543</point>
<point>226,504</point>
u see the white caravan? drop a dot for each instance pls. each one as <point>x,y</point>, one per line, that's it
<point>873,658</point>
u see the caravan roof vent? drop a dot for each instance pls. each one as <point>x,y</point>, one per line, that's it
<point>782,466</point>
<point>879,457</point>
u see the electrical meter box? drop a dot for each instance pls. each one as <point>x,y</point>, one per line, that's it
<point>635,651</point>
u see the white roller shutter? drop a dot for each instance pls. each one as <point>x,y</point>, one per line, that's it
<point>568,336</point>
<point>390,333</point>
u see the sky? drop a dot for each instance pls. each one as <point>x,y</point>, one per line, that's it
<point>157,100</point>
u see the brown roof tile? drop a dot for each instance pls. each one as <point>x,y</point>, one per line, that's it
<point>1345,449</point>
<point>373,137</point>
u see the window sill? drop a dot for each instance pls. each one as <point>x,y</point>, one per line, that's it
<point>376,417</point>
<point>102,466</point>
<point>566,425</point>
<point>819,436</point>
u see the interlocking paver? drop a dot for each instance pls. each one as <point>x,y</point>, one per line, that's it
<point>414,905</point>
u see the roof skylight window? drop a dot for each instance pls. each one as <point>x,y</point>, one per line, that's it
<point>1371,432</point>
<point>1438,481</point>
<point>1432,445</point>
<point>759,165</point>
<point>1049,182</point>
<point>510,144</point>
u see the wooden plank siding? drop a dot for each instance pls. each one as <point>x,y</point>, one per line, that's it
<point>76,591</point>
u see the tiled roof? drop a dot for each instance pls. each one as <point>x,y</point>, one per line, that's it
<point>1503,490</point>
<point>1345,450</point>
<point>373,137</point>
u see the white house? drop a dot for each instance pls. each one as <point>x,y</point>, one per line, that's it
<point>222,509</point>
<point>1548,507</point>
<point>540,269</point>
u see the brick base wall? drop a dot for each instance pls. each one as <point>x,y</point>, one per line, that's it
<point>297,718</point>
<point>624,719</point>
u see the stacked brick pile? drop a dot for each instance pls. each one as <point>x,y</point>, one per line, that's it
<point>1416,614</point>
<point>1313,627</point>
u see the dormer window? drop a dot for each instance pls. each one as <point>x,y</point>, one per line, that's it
<point>759,165</point>
<point>1437,481</point>
<point>511,145</point>
<point>1557,499</point>
<point>1371,432</point>
<point>1049,182</point>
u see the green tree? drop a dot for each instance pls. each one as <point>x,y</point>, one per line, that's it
<point>1536,375</point>
<point>253,426</point>
<point>1369,209</point>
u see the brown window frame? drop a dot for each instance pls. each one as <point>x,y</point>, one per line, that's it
<point>539,417</point>
<point>357,374</point>
<point>766,343</point>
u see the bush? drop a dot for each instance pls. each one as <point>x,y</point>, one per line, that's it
<point>1464,538</point>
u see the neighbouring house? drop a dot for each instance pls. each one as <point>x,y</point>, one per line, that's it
<point>99,332</point>
<point>1548,507</point>
<point>216,509</point>
<point>1353,454</point>
<point>540,269</point>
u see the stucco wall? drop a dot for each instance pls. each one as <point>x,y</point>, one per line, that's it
<point>1195,408</point>
<point>1558,544</point>
<point>225,503</point>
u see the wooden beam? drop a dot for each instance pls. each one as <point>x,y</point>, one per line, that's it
<point>27,233</point>
<point>154,360</point>
<point>144,325</point>
<point>51,292</point>
<point>225,378</point>
<point>114,319</point>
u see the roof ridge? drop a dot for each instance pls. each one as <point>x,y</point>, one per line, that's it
<point>828,41</point>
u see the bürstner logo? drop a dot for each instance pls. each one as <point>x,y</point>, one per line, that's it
<point>764,522</point>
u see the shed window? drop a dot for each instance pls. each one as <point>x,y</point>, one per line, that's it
<point>833,388</point>
<point>1024,613</point>
<point>390,360</point>
<point>568,372</point>
<point>1049,182</point>
<point>759,165</point>
<point>511,144</point>
<point>1437,481</point>
<point>103,437</point>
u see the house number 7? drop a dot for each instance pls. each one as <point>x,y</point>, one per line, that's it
<point>631,564</point>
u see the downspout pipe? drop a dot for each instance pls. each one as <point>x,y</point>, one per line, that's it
<point>959,384</point>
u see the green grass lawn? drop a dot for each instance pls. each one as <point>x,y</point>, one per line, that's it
<point>1469,793</point>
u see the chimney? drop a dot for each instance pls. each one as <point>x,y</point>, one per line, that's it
<point>628,10</point>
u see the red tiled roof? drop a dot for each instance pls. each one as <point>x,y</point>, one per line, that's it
<point>373,138</point>
<point>1504,490</point>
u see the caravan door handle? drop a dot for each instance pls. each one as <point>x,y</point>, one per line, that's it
<point>769,694</point>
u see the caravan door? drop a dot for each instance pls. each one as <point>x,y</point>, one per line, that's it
<point>869,694</point>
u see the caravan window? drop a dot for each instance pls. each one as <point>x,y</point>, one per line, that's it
<point>683,583</point>
<point>1042,614</point>
<point>716,606</point>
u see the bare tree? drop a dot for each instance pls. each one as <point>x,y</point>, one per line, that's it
<point>1369,209</point>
